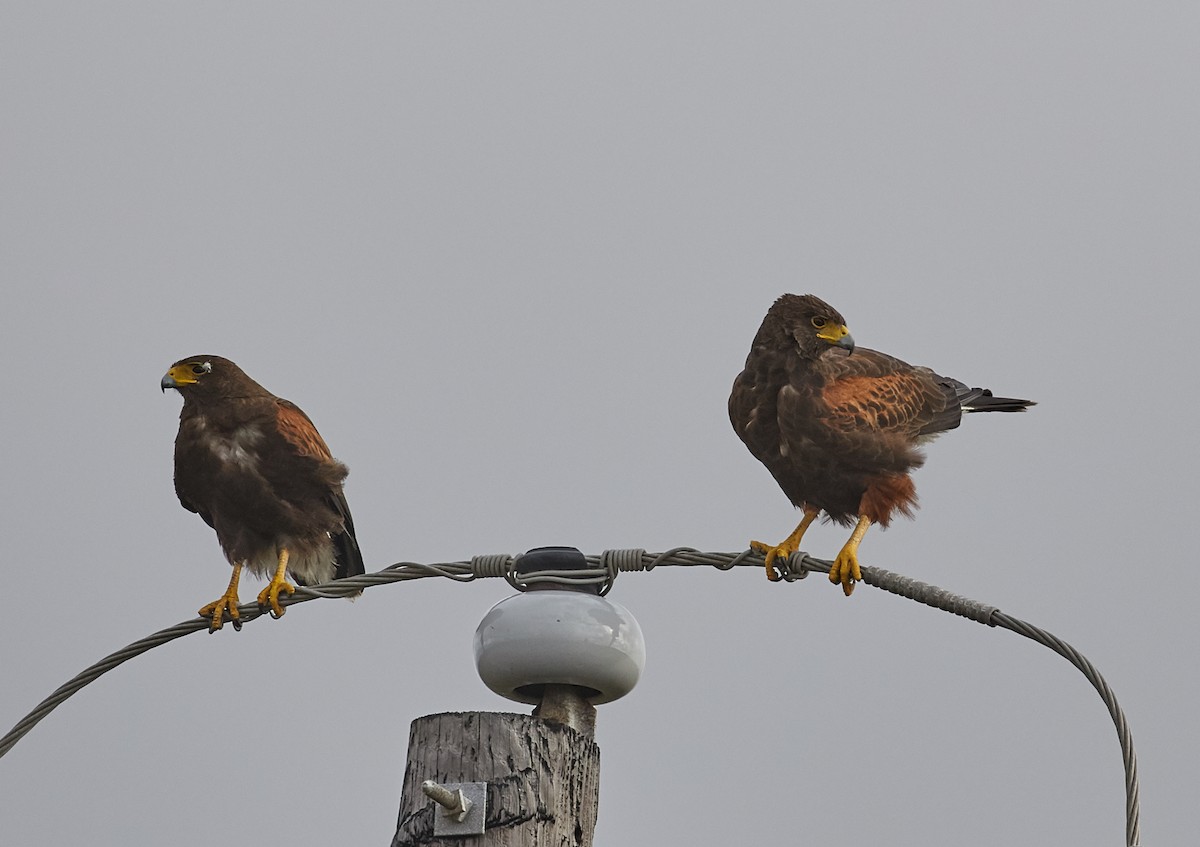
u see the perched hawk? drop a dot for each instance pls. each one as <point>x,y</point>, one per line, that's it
<point>258,472</point>
<point>839,426</point>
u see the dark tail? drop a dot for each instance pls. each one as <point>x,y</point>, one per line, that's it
<point>981,400</point>
<point>963,398</point>
<point>349,557</point>
<point>349,560</point>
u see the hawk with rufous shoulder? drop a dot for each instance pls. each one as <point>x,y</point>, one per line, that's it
<point>839,426</point>
<point>254,467</point>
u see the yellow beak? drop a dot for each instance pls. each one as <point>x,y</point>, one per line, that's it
<point>838,336</point>
<point>177,376</point>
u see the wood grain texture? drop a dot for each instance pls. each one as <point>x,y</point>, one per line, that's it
<point>543,779</point>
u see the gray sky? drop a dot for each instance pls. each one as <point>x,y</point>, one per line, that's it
<point>509,257</point>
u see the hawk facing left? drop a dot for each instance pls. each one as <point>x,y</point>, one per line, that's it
<point>254,467</point>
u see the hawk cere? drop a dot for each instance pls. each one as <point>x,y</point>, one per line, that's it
<point>838,426</point>
<point>256,469</point>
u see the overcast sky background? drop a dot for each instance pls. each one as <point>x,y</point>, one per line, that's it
<point>509,258</point>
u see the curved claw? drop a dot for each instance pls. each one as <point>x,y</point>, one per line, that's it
<point>784,548</point>
<point>845,570</point>
<point>218,609</point>
<point>771,553</point>
<point>268,598</point>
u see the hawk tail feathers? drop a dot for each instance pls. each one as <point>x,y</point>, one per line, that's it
<point>981,400</point>
<point>349,557</point>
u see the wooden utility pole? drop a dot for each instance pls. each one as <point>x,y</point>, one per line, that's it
<point>493,779</point>
<point>543,780</point>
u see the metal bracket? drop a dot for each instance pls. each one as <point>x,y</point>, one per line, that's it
<point>463,807</point>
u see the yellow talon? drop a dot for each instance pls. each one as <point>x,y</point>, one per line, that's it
<point>269,596</point>
<point>227,603</point>
<point>784,548</point>
<point>846,571</point>
<point>771,554</point>
<point>845,568</point>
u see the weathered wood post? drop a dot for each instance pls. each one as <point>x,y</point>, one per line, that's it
<point>527,780</point>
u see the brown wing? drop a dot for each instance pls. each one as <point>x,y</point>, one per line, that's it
<point>753,409</point>
<point>868,392</point>
<point>853,416</point>
<point>299,431</point>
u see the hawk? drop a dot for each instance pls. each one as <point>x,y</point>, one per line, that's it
<point>254,467</point>
<point>839,426</point>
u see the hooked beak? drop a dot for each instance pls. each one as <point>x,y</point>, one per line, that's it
<point>838,336</point>
<point>177,377</point>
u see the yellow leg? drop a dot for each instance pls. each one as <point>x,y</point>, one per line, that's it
<point>786,547</point>
<point>845,567</point>
<point>226,603</point>
<point>269,596</point>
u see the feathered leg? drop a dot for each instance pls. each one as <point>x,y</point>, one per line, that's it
<point>786,547</point>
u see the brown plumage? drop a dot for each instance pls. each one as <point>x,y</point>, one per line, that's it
<point>254,467</point>
<point>838,426</point>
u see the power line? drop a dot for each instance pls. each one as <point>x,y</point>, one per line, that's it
<point>603,571</point>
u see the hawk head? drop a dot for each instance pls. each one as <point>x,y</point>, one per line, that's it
<point>806,322</point>
<point>201,378</point>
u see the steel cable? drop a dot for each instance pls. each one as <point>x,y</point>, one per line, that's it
<point>603,571</point>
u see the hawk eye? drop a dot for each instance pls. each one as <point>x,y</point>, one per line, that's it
<point>819,322</point>
<point>201,369</point>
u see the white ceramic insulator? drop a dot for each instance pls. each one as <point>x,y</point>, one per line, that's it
<point>559,637</point>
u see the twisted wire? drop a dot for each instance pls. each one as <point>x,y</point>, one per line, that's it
<point>1124,735</point>
<point>603,571</point>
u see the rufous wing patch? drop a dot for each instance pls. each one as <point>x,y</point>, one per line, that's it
<point>877,402</point>
<point>299,431</point>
